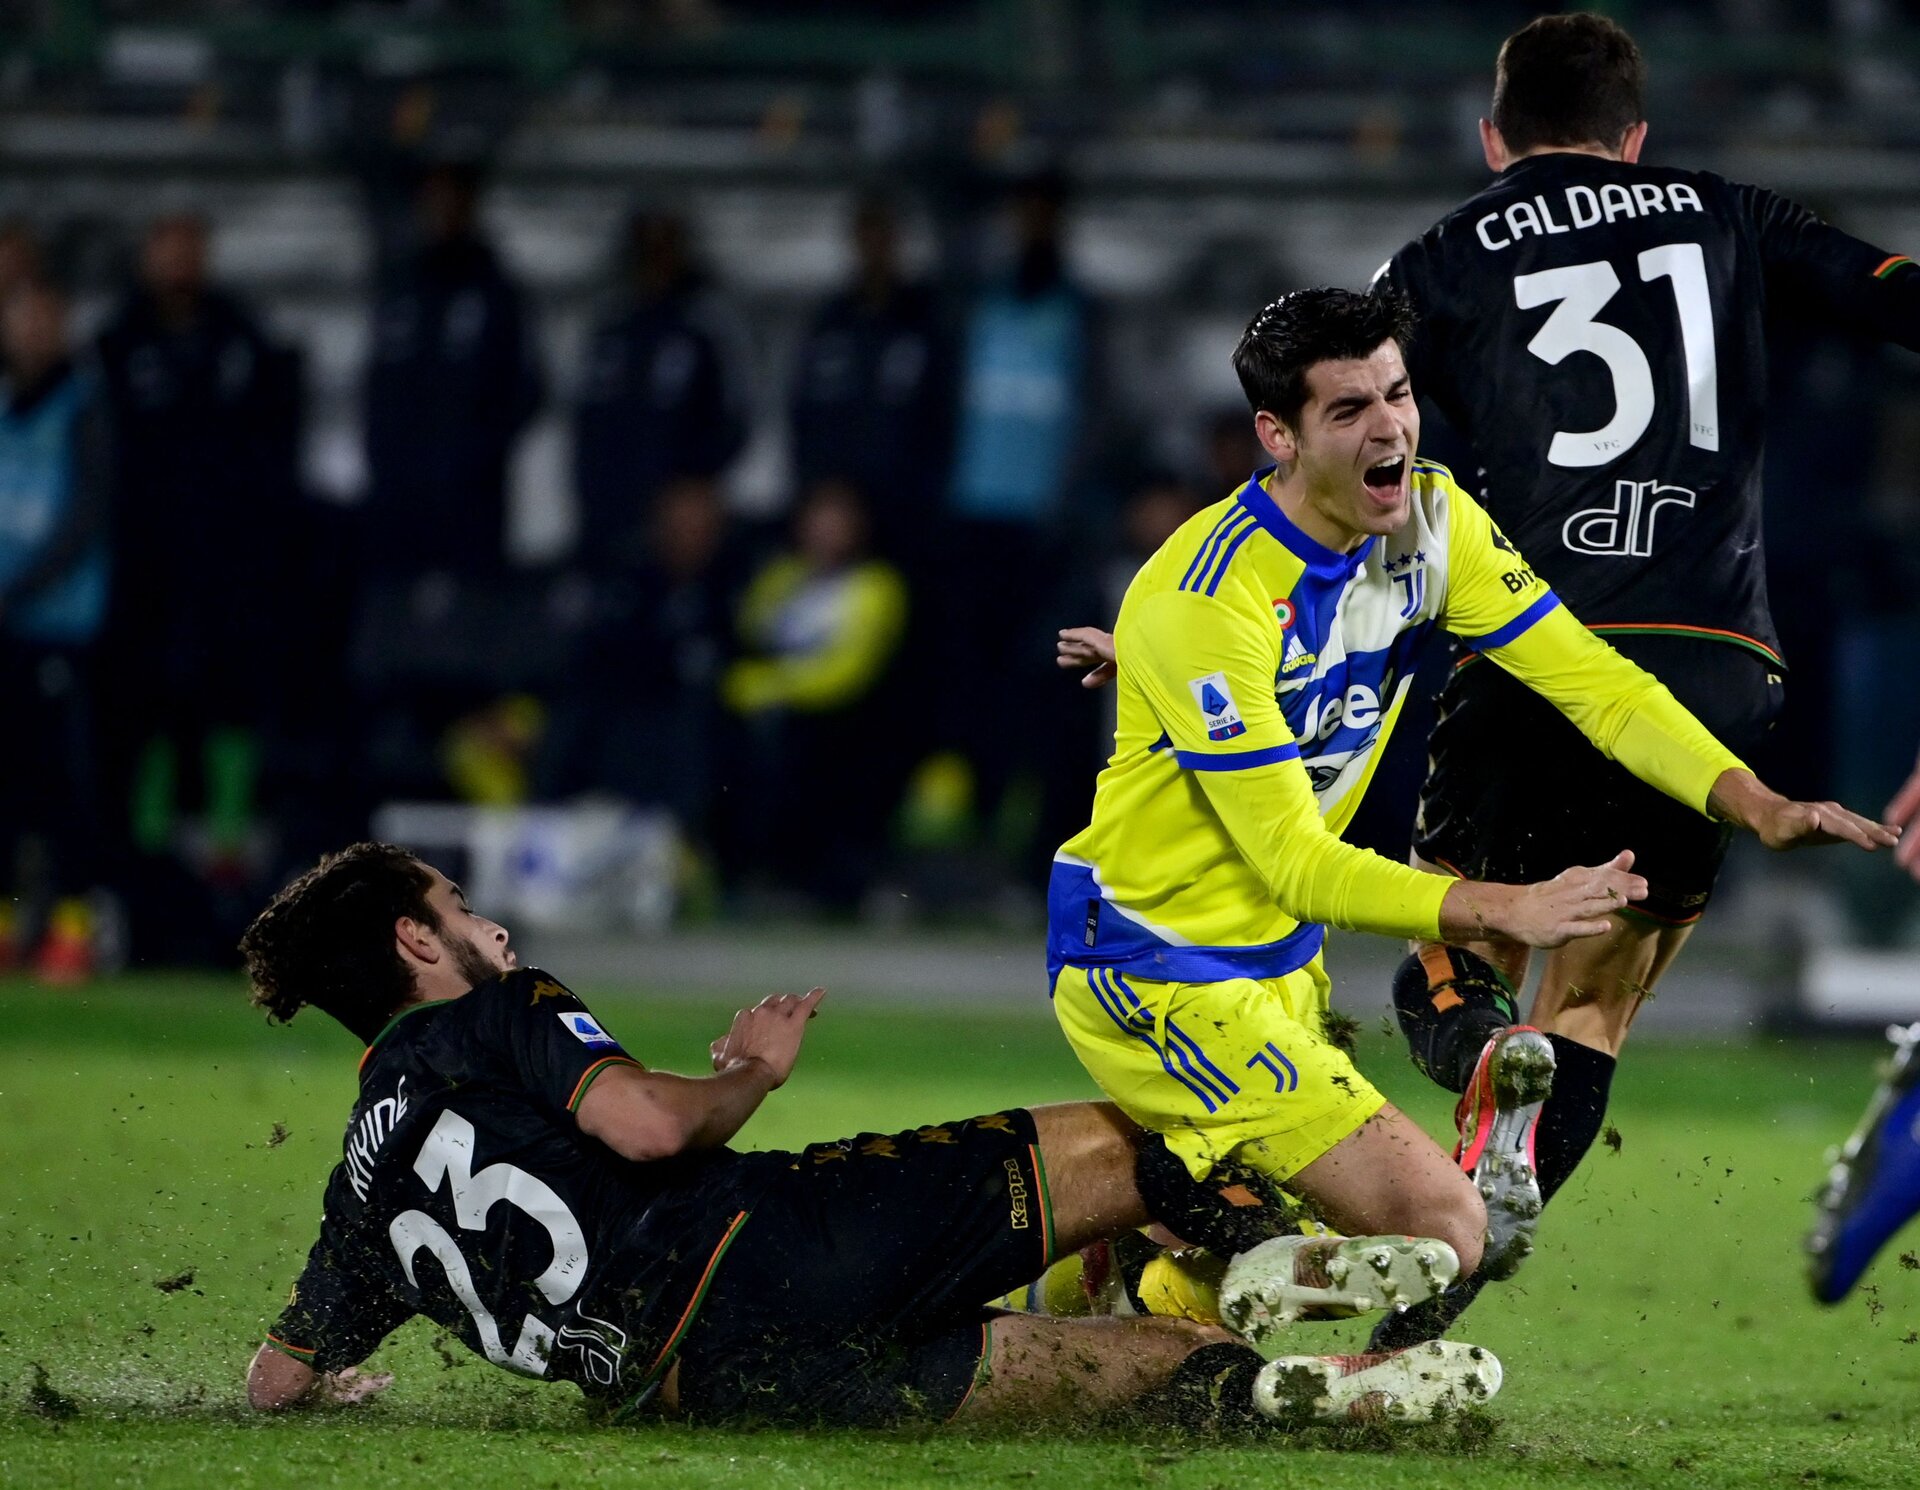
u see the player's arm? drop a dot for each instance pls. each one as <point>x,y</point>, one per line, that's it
<point>1499,607</point>
<point>1815,266</point>
<point>334,1319</point>
<point>1255,782</point>
<point>646,1115</point>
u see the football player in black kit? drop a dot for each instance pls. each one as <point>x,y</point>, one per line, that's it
<point>1594,328</point>
<point>512,1174</point>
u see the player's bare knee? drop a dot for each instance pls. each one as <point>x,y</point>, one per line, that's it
<point>1459,1218</point>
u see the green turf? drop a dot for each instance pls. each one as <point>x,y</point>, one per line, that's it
<point>1660,1337</point>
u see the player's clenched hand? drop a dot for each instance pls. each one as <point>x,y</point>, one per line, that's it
<point>1779,822</point>
<point>1086,647</point>
<point>1904,813</point>
<point>1574,903</point>
<point>770,1032</point>
<point>351,1386</point>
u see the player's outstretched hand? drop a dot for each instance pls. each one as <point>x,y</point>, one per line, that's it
<point>352,1386</point>
<point>1779,822</point>
<point>1574,903</point>
<point>770,1032</point>
<point>1904,813</point>
<point>1086,647</point>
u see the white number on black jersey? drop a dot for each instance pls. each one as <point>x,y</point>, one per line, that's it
<point>1581,290</point>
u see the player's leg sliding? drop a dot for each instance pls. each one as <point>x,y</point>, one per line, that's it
<point>1873,1187</point>
<point>1298,1277</point>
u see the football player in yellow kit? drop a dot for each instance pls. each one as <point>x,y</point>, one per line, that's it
<point>1263,655</point>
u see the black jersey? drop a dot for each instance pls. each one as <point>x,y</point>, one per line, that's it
<point>467,1193</point>
<point>1596,330</point>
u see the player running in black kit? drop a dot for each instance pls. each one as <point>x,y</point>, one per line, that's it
<point>511,1173</point>
<point>1594,327</point>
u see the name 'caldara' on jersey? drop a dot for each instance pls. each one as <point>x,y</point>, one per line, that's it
<point>1623,307</point>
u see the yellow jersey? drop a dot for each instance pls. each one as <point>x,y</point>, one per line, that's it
<point>1260,675</point>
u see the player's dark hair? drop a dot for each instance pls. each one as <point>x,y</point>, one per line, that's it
<point>1308,326</point>
<point>1568,80</point>
<point>327,939</point>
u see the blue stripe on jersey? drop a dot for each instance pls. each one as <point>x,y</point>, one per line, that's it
<point>1077,907</point>
<point>1206,544</point>
<point>1244,760</point>
<point>1516,627</point>
<point>1181,1045</point>
<point>1211,551</point>
<point>1109,1002</point>
<point>1219,571</point>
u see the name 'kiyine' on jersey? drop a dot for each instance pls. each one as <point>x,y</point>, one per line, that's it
<point>1596,329</point>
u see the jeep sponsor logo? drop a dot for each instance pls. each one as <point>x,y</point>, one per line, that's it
<point>1357,708</point>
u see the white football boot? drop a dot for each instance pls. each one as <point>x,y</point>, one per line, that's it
<point>1292,1277</point>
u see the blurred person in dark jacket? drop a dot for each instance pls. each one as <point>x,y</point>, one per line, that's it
<point>819,627</point>
<point>204,466</point>
<point>872,387</point>
<point>452,383</point>
<point>1024,397</point>
<point>662,398</point>
<point>55,459</point>
<point>638,716</point>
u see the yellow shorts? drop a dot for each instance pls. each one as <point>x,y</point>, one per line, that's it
<point>1212,1066</point>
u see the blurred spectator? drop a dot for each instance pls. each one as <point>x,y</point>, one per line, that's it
<point>54,462</point>
<point>204,467</point>
<point>1233,454</point>
<point>452,383</point>
<point>663,397</point>
<point>821,625</point>
<point>639,714</point>
<point>871,391</point>
<point>1157,507</point>
<point>1023,388</point>
<point>19,256</point>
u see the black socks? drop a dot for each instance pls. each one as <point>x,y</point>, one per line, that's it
<point>1574,1114</point>
<point>1450,1002</point>
<point>1569,1122</point>
<point>1233,1209</point>
<point>1210,1389</point>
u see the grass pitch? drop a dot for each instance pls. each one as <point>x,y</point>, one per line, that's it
<point>162,1155</point>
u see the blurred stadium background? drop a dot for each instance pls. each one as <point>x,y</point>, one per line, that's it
<point>640,453</point>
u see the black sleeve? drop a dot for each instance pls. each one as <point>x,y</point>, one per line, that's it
<point>554,1044</point>
<point>1427,361</point>
<point>337,1314</point>
<point>1816,267</point>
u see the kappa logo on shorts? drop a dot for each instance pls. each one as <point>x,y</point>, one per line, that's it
<point>581,1026</point>
<point>1217,707</point>
<point>1019,1218</point>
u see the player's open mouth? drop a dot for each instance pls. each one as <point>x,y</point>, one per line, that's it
<point>1385,479</point>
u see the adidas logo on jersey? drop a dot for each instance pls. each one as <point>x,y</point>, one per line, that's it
<point>1296,655</point>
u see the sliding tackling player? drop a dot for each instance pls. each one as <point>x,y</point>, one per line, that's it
<point>1595,327</point>
<point>512,1174</point>
<point>1263,656</point>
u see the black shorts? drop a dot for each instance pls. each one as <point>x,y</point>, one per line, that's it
<point>1515,793</point>
<point>855,1293</point>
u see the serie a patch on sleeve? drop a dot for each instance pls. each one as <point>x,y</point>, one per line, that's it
<point>582,1027</point>
<point>1217,708</point>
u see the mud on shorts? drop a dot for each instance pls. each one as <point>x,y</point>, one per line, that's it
<point>855,1292</point>
<point>1515,794</point>
<point>1214,1066</point>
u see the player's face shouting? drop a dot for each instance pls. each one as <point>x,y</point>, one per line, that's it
<point>1354,448</point>
<point>477,946</point>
